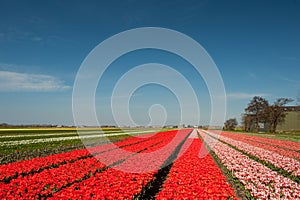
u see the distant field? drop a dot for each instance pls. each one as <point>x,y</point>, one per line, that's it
<point>9,131</point>
<point>26,143</point>
<point>288,135</point>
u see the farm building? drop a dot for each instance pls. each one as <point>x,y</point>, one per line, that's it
<point>292,119</point>
<point>291,122</point>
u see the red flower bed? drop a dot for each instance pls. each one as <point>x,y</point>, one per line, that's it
<point>10,170</point>
<point>116,184</point>
<point>35,164</point>
<point>192,177</point>
<point>48,181</point>
<point>111,184</point>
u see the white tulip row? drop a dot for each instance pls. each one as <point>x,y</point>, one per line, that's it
<point>32,141</point>
<point>58,133</point>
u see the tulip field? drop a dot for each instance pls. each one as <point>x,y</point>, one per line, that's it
<point>191,164</point>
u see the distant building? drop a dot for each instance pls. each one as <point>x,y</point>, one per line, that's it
<point>292,119</point>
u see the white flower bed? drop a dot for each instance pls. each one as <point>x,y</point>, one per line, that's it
<point>32,141</point>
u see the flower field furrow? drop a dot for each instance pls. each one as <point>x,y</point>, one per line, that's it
<point>288,164</point>
<point>257,141</point>
<point>192,177</point>
<point>119,184</point>
<point>259,180</point>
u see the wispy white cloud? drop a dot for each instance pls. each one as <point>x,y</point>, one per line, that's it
<point>241,95</point>
<point>120,96</point>
<point>5,66</point>
<point>13,34</point>
<point>35,20</point>
<point>289,58</point>
<point>290,80</point>
<point>252,75</point>
<point>14,81</point>
<point>36,38</point>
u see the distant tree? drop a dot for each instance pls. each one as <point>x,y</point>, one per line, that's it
<point>298,103</point>
<point>4,125</point>
<point>230,124</point>
<point>247,121</point>
<point>256,108</point>
<point>276,114</point>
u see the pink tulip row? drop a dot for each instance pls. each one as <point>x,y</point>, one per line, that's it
<point>276,146</point>
<point>259,180</point>
<point>295,146</point>
<point>280,161</point>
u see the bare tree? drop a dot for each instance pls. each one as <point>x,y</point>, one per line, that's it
<point>230,124</point>
<point>256,108</point>
<point>298,103</point>
<point>276,113</point>
<point>247,121</point>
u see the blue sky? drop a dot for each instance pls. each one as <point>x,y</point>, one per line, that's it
<point>255,45</point>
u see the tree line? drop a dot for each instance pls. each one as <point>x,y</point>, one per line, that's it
<point>260,111</point>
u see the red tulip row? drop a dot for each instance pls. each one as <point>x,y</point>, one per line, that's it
<point>278,146</point>
<point>51,180</point>
<point>10,170</point>
<point>111,184</point>
<point>285,163</point>
<point>41,183</point>
<point>122,184</point>
<point>194,177</point>
<point>13,170</point>
<point>259,180</point>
